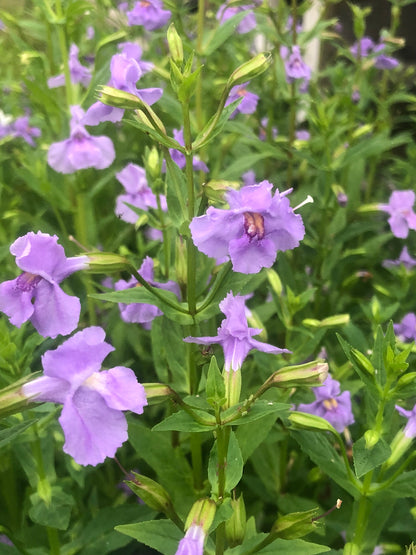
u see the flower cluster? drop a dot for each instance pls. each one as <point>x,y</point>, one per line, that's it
<point>256,226</point>
<point>367,47</point>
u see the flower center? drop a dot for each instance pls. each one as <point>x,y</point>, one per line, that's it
<point>242,92</point>
<point>27,281</point>
<point>330,404</point>
<point>254,225</point>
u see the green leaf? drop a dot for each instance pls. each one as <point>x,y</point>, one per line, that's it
<point>233,469</point>
<point>403,486</point>
<point>260,409</point>
<point>360,365</point>
<point>182,422</point>
<point>7,436</point>
<point>252,434</point>
<point>156,135</point>
<point>366,459</point>
<point>210,131</point>
<point>161,535</point>
<point>221,34</point>
<point>176,192</point>
<point>169,353</point>
<point>286,547</point>
<point>318,447</point>
<point>234,170</point>
<point>173,310</point>
<point>215,388</point>
<point>56,513</point>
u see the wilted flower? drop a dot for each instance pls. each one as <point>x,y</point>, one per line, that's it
<point>125,72</point>
<point>78,72</point>
<point>410,428</point>
<point>193,541</point>
<point>400,207</point>
<point>138,193</point>
<point>81,150</point>
<point>249,103</point>
<point>404,258</point>
<point>149,13</point>
<point>35,295</point>
<point>92,419</point>
<point>406,330</point>
<point>21,128</point>
<point>330,404</point>
<point>252,230</point>
<point>143,313</point>
<point>234,335</point>
<point>248,23</point>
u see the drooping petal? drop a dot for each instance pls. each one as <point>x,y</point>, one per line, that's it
<point>93,430</point>
<point>120,389</point>
<point>15,303</point>
<point>99,112</point>
<point>250,256</point>
<point>150,95</point>
<point>58,159</point>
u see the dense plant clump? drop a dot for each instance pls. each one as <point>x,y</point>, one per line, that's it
<point>208,255</point>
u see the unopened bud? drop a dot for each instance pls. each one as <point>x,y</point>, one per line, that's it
<point>362,361</point>
<point>152,493</point>
<point>156,391</point>
<point>105,262</point>
<point>175,44</point>
<point>250,69</point>
<point>215,189</point>
<point>399,446</point>
<point>235,527</point>
<point>14,398</point>
<point>202,514</point>
<point>312,374</point>
<point>312,422</point>
<point>152,162</point>
<point>118,98</point>
<point>232,380</point>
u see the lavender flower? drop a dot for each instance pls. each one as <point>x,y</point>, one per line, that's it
<point>366,47</point>
<point>234,335</point>
<point>35,295</point>
<point>247,24</point>
<point>125,72</point>
<point>383,61</point>
<point>302,135</point>
<point>400,207</point>
<point>135,51</point>
<point>81,150</point>
<point>21,128</point>
<point>330,404</point>
<point>252,230</point>
<point>193,541</point>
<point>406,330</point>
<point>295,67</point>
<point>149,13</point>
<point>142,313</point>
<point>410,428</point>
<point>138,193</point>
<point>264,123</point>
<point>180,159</point>
<point>78,72</point>
<point>92,420</point>
<point>404,258</point>
<point>249,103</point>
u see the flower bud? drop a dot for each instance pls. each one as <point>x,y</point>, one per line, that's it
<point>175,44</point>
<point>250,69</point>
<point>235,527</point>
<point>118,98</point>
<point>105,262</point>
<point>311,422</point>
<point>202,514</point>
<point>153,494</point>
<point>232,380</point>
<point>312,374</point>
<point>372,437</point>
<point>156,391</point>
<point>152,162</point>
<point>399,446</point>
<point>13,398</point>
<point>362,361</point>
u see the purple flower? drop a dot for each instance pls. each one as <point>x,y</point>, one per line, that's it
<point>366,47</point>
<point>289,25</point>
<point>78,72</point>
<point>400,207</point>
<point>234,335</point>
<point>330,404</point>
<point>92,420</point>
<point>193,541</point>
<point>142,313</point>
<point>410,428</point>
<point>264,123</point>
<point>138,193</point>
<point>249,103</point>
<point>180,159</point>
<point>406,330</point>
<point>149,13</point>
<point>249,178</point>
<point>295,67</point>
<point>135,51</point>
<point>35,295</point>
<point>21,128</point>
<point>125,72</point>
<point>248,23</point>
<point>81,150</point>
<point>404,258</point>
<point>252,230</point>
<point>90,32</point>
<point>386,62</point>
<point>355,96</point>
<point>302,135</point>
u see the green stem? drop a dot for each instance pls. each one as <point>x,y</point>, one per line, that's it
<point>196,455</point>
<point>64,53</point>
<point>166,243</point>
<point>361,522</point>
<point>198,90</point>
<point>223,437</point>
<point>220,539</point>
